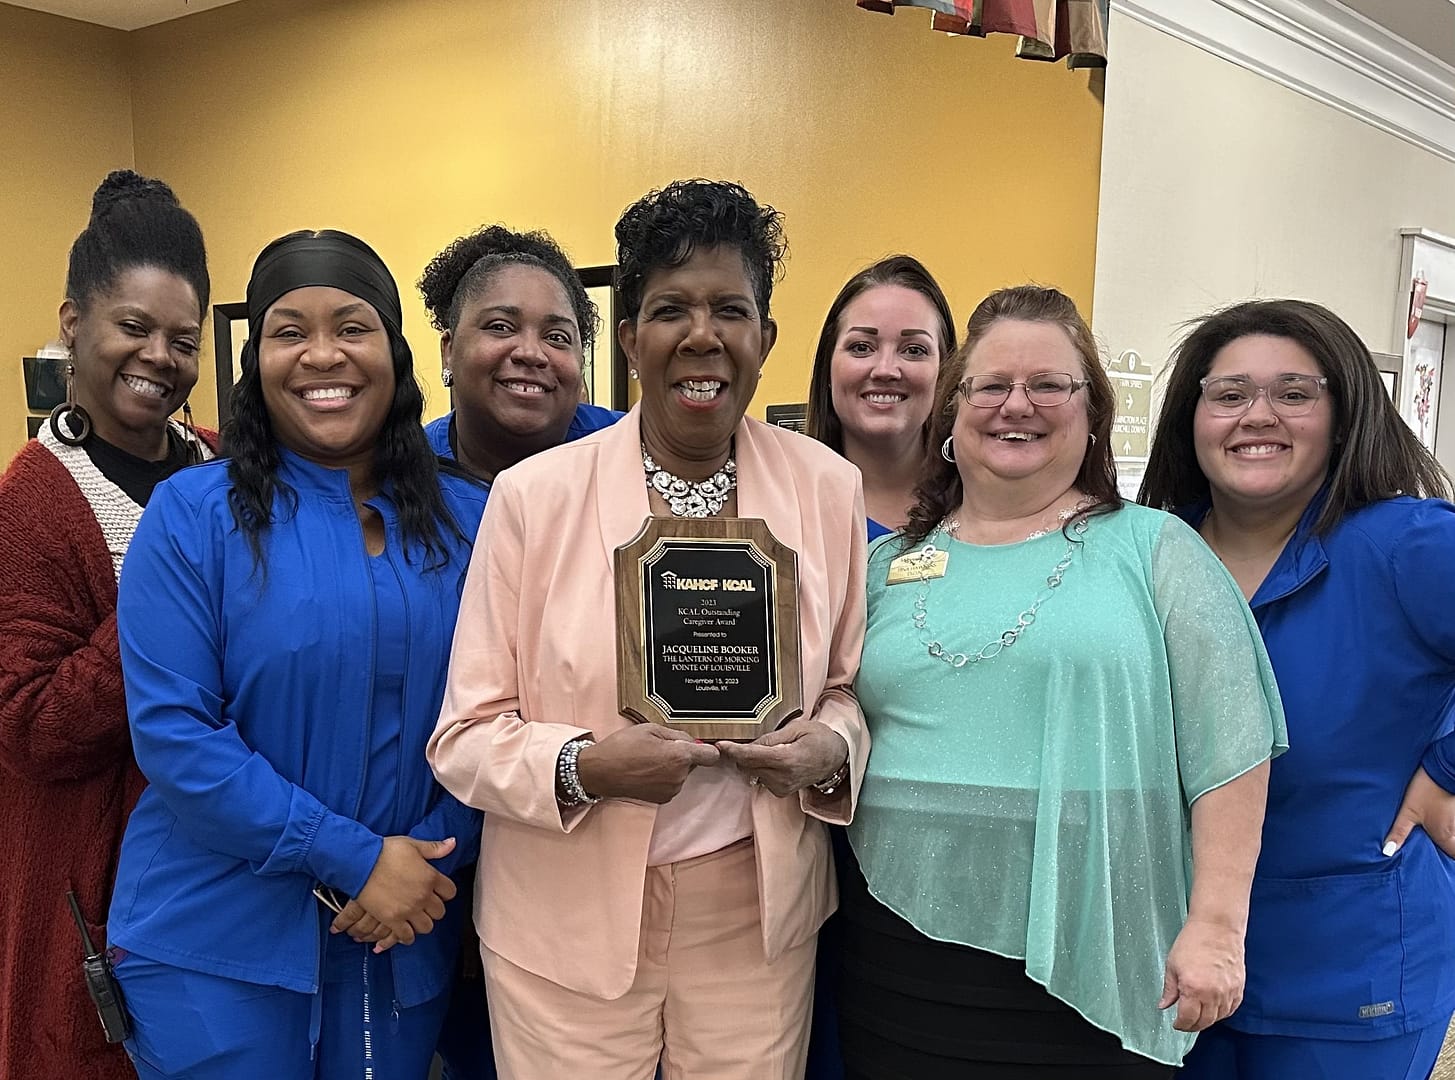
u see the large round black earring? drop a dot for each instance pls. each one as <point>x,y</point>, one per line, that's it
<point>69,422</point>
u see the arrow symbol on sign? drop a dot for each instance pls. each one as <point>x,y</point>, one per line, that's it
<point>1129,401</point>
<point>1127,447</point>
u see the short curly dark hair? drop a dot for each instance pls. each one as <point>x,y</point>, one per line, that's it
<point>460,272</point>
<point>663,228</point>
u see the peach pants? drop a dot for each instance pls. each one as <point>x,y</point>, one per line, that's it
<point>705,1001</point>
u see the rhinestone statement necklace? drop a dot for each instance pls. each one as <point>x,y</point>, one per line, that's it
<point>692,498</point>
<point>996,645</point>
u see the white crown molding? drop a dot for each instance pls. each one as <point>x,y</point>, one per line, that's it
<point>1324,50</point>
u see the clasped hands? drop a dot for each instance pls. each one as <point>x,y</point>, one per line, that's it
<point>650,763</point>
<point>403,897</point>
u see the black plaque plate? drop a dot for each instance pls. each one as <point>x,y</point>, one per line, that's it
<point>707,627</point>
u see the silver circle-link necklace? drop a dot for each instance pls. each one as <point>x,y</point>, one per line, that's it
<point>692,498</point>
<point>1008,637</point>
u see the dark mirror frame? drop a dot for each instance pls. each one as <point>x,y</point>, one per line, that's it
<point>596,277</point>
<point>223,316</point>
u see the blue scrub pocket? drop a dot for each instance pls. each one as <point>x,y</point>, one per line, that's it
<point>1325,952</point>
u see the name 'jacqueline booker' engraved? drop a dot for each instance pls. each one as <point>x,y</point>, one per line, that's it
<point>709,650</point>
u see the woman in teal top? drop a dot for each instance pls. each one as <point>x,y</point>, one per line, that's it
<point>1073,716</point>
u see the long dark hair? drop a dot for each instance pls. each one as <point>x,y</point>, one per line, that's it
<point>1374,455</point>
<point>136,221</point>
<point>903,270</point>
<point>403,460</point>
<point>940,490</point>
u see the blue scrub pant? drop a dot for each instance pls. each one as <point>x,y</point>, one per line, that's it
<point>1224,1054</point>
<point>191,1026</point>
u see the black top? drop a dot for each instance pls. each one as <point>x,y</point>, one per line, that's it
<point>137,476</point>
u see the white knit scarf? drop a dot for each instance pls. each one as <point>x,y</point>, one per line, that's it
<point>115,511</point>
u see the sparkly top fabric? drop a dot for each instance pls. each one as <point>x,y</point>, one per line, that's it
<point>1036,805</point>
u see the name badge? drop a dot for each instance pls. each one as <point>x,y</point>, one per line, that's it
<point>928,562</point>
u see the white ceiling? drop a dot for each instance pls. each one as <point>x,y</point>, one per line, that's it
<point>1425,24</point>
<point>121,14</point>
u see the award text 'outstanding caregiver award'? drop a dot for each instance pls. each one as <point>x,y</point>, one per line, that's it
<point>707,627</point>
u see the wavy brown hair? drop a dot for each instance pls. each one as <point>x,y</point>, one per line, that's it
<point>1374,454</point>
<point>939,489</point>
<point>903,270</point>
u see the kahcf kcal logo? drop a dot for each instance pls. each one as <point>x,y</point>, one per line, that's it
<point>670,580</point>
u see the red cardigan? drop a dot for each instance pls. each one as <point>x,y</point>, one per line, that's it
<point>68,780</point>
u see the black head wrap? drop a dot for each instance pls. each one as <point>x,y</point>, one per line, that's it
<point>326,257</point>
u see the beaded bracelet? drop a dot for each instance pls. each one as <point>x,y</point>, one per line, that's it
<point>573,793</point>
<point>831,784</point>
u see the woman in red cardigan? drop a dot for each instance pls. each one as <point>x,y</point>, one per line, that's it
<point>136,292</point>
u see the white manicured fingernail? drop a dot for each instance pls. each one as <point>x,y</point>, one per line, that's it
<point>1390,848</point>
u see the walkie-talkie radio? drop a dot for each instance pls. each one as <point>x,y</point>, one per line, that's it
<point>101,983</point>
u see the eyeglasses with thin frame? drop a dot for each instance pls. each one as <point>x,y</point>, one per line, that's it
<point>1045,389</point>
<point>1288,395</point>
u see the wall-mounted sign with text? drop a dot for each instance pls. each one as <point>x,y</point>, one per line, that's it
<point>1131,381</point>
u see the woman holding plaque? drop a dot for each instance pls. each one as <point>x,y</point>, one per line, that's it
<point>1071,708</point>
<point>1278,442</point>
<point>873,384</point>
<point>644,895</point>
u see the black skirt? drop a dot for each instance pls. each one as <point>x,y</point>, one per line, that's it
<point>912,1008</point>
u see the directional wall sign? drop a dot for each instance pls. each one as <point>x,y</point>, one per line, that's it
<point>1131,380</point>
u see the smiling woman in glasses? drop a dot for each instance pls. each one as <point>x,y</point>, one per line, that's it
<point>1278,442</point>
<point>1057,684</point>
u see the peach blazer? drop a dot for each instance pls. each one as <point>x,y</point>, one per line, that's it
<point>534,666</point>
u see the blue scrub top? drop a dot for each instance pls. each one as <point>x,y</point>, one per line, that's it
<point>1344,942</point>
<point>587,418</point>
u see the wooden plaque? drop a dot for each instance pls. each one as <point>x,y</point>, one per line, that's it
<point>707,627</point>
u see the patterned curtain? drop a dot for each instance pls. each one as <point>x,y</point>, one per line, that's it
<point>1048,29</point>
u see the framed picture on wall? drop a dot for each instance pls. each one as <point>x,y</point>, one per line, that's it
<point>229,334</point>
<point>45,382</point>
<point>603,377</point>
<point>793,417</point>
<point>1390,367</point>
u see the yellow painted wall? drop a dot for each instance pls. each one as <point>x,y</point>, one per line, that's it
<point>65,121</point>
<point>412,121</point>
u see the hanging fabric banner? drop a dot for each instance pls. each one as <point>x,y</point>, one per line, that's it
<point>1048,29</point>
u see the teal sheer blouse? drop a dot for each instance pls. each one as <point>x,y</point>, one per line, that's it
<point>1037,804</point>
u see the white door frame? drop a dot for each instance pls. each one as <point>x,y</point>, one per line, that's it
<point>1427,254</point>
